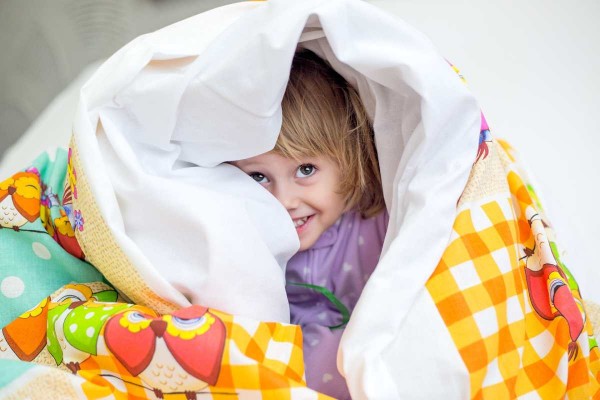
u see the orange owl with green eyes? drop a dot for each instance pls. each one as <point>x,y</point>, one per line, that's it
<point>180,352</point>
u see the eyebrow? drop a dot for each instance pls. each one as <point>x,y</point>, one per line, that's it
<point>249,165</point>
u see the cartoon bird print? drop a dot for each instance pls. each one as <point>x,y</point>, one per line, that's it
<point>67,200</point>
<point>549,290</point>
<point>19,200</point>
<point>62,228</point>
<point>176,353</point>
<point>485,137</point>
<point>26,335</point>
<point>75,321</point>
<point>65,235</point>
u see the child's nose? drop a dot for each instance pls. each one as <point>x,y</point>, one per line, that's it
<point>287,197</point>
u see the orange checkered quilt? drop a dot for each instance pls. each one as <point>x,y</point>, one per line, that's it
<point>513,309</point>
<point>111,349</point>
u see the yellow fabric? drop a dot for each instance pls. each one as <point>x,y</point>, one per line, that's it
<point>259,358</point>
<point>481,291</point>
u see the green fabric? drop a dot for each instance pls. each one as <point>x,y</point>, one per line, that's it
<point>343,310</point>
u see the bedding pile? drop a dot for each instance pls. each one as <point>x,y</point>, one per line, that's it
<point>138,263</point>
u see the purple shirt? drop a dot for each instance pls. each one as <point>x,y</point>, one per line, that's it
<point>341,260</point>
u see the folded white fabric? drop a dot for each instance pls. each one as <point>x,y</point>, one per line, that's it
<point>159,119</point>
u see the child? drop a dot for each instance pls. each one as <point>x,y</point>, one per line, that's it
<point>324,171</point>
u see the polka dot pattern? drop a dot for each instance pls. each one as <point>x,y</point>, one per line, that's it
<point>34,265</point>
<point>12,287</point>
<point>89,332</point>
<point>41,251</point>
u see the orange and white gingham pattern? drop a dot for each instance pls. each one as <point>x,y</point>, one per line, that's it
<point>261,360</point>
<point>480,291</point>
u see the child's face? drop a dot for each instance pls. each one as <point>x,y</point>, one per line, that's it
<point>306,188</point>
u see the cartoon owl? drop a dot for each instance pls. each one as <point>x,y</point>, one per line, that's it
<point>75,321</point>
<point>26,335</point>
<point>19,200</point>
<point>65,235</point>
<point>180,352</point>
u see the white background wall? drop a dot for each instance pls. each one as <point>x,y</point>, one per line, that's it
<point>45,44</point>
<point>535,67</point>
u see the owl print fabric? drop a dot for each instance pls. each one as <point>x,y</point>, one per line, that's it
<point>85,340</point>
<point>36,233</point>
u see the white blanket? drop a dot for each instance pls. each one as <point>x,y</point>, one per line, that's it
<point>161,116</point>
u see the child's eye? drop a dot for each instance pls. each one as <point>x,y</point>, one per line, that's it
<point>305,170</point>
<point>258,177</point>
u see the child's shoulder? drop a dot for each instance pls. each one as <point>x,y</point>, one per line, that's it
<point>374,227</point>
<point>378,222</point>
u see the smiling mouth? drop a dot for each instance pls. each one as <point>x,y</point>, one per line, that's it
<point>301,223</point>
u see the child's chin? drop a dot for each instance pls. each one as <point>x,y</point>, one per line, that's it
<point>306,244</point>
<point>304,247</point>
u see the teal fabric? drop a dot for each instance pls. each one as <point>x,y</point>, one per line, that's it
<point>33,264</point>
<point>11,370</point>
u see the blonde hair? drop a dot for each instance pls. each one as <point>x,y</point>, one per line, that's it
<point>324,116</point>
